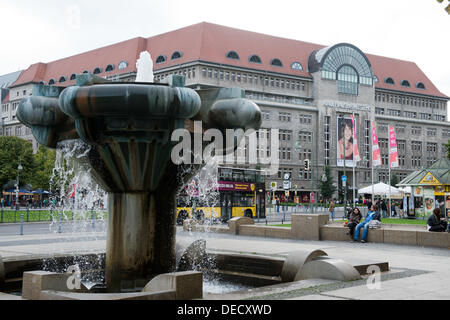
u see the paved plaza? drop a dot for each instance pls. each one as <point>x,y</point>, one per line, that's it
<point>415,272</point>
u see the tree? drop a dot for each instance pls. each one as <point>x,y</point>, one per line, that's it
<point>394,180</point>
<point>326,185</point>
<point>13,150</point>
<point>45,161</point>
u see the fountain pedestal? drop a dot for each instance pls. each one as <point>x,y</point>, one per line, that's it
<point>140,239</point>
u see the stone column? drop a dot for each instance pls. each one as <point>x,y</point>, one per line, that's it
<point>307,226</point>
<point>140,239</point>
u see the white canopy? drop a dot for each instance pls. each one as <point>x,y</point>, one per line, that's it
<point>381,189</point>
<point>406,189</point>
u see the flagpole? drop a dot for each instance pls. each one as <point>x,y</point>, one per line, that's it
<point>373,191</point>
<point>389,155</point>
<point>354,138</point>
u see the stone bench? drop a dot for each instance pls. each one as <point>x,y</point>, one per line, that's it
<point>317,227</point>
<point>395,234</point>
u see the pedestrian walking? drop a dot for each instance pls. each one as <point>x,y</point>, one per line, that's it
<point>331,209</point>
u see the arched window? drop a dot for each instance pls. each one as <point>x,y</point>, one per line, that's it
<point>176,55</point>
<point>232,55</point>
<point>42,82</point>
<point>276,62</point>
<point>330,59</point>
<point>405,83</point>
<point>109,67</point>
<point>62,79</point>
<point>420,85</point>
<point>296,66</point>
<point>97,70</point>
<point>389,81</point>
<point>52,81</point>
<point>160,59</point>
<point>73,76</point>
<point>255,59</point>
<point>375,78</point>
<point>86,71</point>
<point>122,65</point>
<point>347,80</point>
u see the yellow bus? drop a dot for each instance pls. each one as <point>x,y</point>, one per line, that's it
<point>241,193</point>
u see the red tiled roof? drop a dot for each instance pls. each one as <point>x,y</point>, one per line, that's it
<point>101,57</point>
<point>400,70</point>
<point>210,42</point>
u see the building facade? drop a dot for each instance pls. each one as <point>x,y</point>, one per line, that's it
<point>307,91</point>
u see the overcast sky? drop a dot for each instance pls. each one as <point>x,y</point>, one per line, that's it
<point>47,30</point>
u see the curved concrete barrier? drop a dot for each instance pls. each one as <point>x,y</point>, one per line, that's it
<point>189,254</point>
<point>333,269</point>
<point>295,261</point>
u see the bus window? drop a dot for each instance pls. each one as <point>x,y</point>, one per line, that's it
<point>243,200</point>
<point>250,176</point>
<point>260,178</point>
<point>238,176</point>
<point>225,174</point>
<point>184,201</point>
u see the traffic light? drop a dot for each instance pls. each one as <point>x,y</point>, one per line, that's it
<point>307,164</point>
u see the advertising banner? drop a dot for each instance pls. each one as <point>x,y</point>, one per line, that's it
<point>376,156</point>
<point>344,142</point>
<point>393,152</point>
<point>428,195</point>
<point>235,186</point>
<point>357,157</point>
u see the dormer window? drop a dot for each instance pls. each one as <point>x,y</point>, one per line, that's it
<point>389,81</point>
<point>375,78</point>
<point>255,59</point>
<point>73,76</point>
<point>62,79</point>
<point>420,85</point>
<point>276,62</point>
<point>97,70</point>
<point>86,71</point>
<point>296,66</point>
<point>176,55</point>
<point>405,83</point>
<point>51,82</point>
<point>109,67</point>
<point>233,55</point>
<point>122,65</point>
<point>160,59</point>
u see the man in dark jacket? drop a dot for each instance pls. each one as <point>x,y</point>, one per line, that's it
<point>435,223</point>
<point>383,208</point>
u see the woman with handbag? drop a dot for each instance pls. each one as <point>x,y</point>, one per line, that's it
<point>435,223</point>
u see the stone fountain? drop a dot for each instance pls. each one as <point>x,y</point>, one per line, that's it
<point>129,127</point>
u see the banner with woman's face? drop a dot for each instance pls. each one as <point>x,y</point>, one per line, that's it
<point>344,142</point>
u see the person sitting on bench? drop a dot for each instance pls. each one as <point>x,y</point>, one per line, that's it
<point>435,223</point>
<point>353,221</point>
<point>365,224</point>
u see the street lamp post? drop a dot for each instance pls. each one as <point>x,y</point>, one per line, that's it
<point>19,167</point>
<point>344,186</point>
